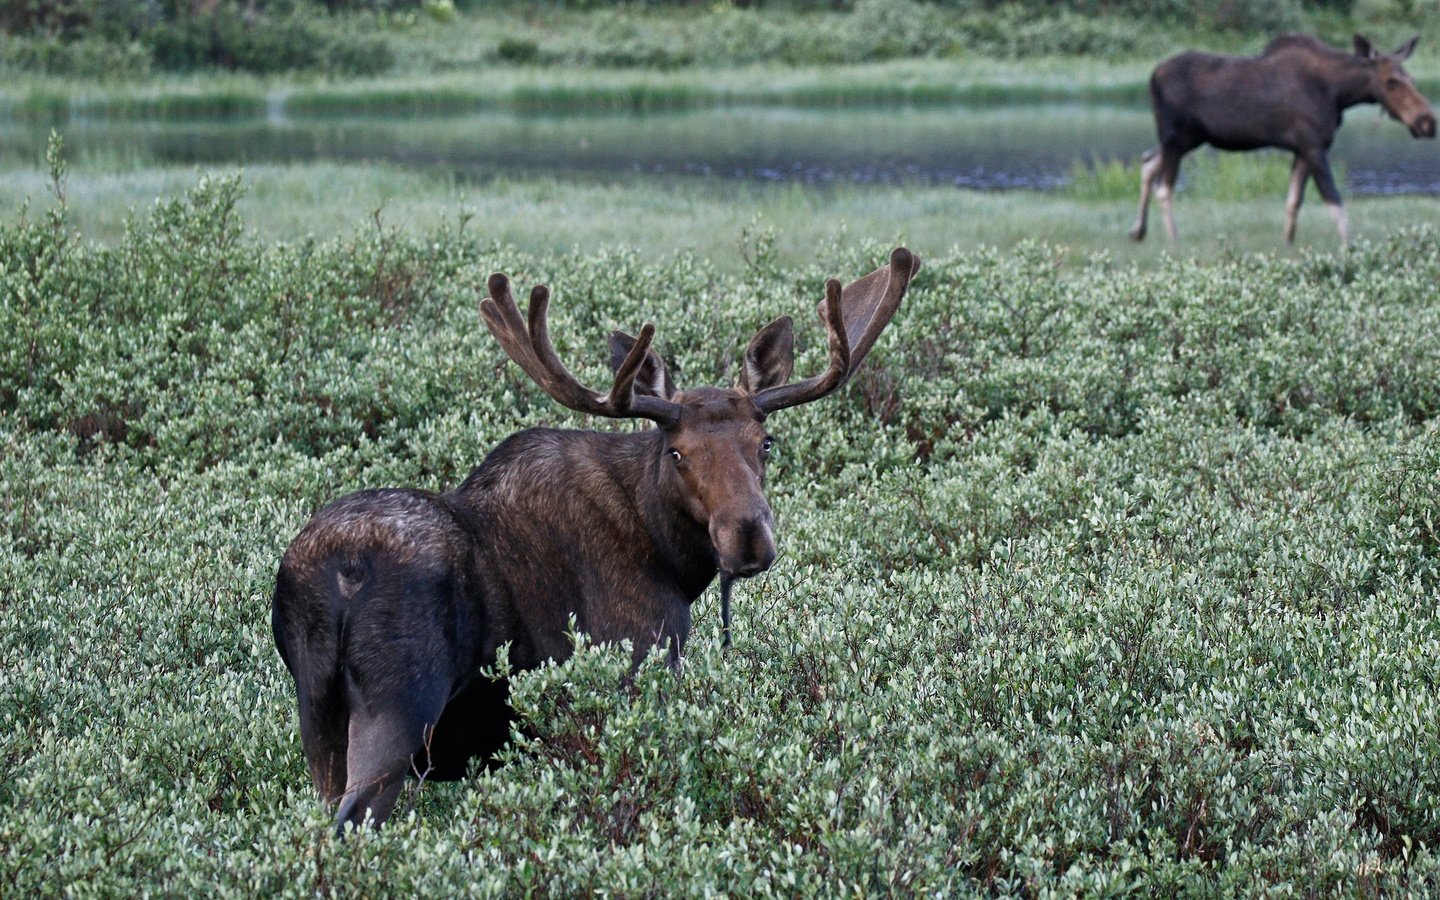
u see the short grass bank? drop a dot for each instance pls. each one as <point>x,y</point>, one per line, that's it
<point>1226,206</point>
<point>530,89</point>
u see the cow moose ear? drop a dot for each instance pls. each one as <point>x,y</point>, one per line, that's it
<point>1363,48</point>
<point>1403,52</point>
<point>652,379</point>
<point>770,358</point>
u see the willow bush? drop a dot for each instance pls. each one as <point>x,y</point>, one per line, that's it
<point>1097,578</point>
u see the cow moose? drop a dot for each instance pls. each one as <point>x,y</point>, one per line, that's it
<point>390,604</point>
<point>1291,96</point>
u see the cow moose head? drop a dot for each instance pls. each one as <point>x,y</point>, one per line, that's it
<point>1394,89</point>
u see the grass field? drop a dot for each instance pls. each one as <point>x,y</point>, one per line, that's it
<point>1112,571</point>
<point>1227,206</point>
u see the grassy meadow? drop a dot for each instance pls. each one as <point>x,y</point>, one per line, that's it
<point>1227,205</point>
<point>1104,575</point>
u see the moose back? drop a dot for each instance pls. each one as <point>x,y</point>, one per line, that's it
<point>390,604</point>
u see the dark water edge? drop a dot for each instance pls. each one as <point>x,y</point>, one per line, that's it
<point>1034,147</point>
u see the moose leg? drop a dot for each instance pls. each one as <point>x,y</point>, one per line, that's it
<point>677,629</point>
<point>392,724</point>
<point>1169,171</point>
<point>474,726</point>
<point>1149,168</point>
<point>670,634</point>
<point>1319,164</point>
<point>1299,171</point>
<point>323,734</point>
<point>384,747</point>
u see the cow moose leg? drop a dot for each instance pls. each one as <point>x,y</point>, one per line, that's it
<point>1149,168</point>
<point>1169,171</point>
<point>474,726</point>
<point>1319,164</point>
<point>1299,171</point>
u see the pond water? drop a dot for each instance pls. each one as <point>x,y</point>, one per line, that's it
<point>1031,146</point>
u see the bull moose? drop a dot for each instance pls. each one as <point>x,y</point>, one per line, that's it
<point>1291,96</point>
<point>390,604</point>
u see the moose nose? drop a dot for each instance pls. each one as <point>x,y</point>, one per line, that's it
<point>759,563</point>
<point>746,547</point>
<point>1424,126</point>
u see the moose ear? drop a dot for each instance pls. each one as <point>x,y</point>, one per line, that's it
<point>770,358</point>
<point>1403,52</point>
<point>652,378</point>
<point>1363,48</point>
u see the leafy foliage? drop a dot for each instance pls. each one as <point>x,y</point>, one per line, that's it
<point>870,30</point>
<point>367,37</point>
<point>1098,578</point>
<point>82,37</point>
<point>227,39</point>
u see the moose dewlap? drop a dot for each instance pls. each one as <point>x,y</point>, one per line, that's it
<point>390,603</point>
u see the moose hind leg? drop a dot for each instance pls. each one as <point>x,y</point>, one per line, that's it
<point>392,724</point>
<point>1319,165</point>
<point>1299,171</point>
<point>1149,168</point>
<point>324,733</point>
<point>1342,222</point>
<point>384,747</point>
<point>1169,172</point>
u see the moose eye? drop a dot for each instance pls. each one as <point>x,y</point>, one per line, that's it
<point>767,445</point>
<point>676,455</point>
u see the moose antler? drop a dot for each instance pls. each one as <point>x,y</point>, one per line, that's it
<point>854,317</point>
<point>532,351</point>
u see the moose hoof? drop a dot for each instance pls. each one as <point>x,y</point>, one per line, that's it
<point>1137,234</point>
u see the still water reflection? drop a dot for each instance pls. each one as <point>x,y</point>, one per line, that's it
<point>1034,147</point>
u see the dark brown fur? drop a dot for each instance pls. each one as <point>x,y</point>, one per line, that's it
<point>390,604</point>
<point>1292,96</point>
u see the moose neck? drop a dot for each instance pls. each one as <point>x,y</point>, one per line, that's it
<point>547,477</point>
<point>1354,83</point>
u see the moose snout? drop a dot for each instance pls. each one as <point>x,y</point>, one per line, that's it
<point>1424,126</point>
<point>746,545</point>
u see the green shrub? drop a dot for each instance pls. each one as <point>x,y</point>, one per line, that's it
<point>1014,33</point>
<point>227,39</point>
<point>83,58</point>
<point>518,50</point>
<point>69,20</point>
<point>1099,579</point>
<point>110,38</point>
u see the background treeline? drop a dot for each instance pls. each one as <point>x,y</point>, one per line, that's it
<point>100,37</point>
<point>105,38</point>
